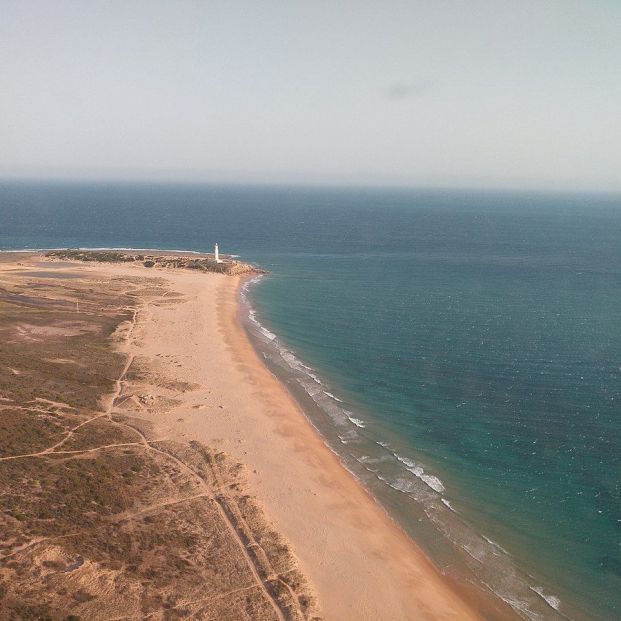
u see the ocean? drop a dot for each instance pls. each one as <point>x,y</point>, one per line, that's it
<point>460,351</point>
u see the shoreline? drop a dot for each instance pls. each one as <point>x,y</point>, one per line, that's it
<point>489,604</point>
<point>233,312</point>
<point>476,567</point>
<point>360,563</point>
<point>232,326</point>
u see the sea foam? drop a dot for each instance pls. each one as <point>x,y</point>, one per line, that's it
<point>432,481</point>
<point>551,600</point>
<point>414,481</point>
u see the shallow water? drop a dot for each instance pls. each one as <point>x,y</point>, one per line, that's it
<point>463,350</point>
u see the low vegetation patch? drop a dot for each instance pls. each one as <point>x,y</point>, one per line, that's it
<point>201,263</point>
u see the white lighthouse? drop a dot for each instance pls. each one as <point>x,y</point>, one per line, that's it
<point>216,254</point>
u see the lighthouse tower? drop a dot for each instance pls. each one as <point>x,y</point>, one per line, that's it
<point>216,254</point>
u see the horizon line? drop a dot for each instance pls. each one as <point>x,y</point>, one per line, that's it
<point>302,185</point>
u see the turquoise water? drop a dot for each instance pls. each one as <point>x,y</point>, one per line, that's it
<point>471,342</point>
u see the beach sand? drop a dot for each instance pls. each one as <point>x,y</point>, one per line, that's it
<point>359,563</point>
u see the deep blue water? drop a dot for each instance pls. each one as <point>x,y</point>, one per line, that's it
<point>476,335</point>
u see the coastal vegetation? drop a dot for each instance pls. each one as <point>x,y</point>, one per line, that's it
<point>203,263</point>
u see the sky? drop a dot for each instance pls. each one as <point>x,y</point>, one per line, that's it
<point>442,93</point>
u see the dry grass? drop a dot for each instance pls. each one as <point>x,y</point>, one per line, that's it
<point>98,520</point>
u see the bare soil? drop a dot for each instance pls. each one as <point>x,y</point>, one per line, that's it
<point>100,519</point>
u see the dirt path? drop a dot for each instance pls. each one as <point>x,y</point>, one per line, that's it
<point>106,413</point>
<point>227,508</point>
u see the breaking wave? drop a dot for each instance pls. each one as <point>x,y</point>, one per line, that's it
<point>386,466</point>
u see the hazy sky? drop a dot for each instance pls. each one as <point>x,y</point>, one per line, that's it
<point>514,93</point>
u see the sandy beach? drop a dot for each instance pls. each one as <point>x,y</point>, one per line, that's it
<point>359,564</point>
